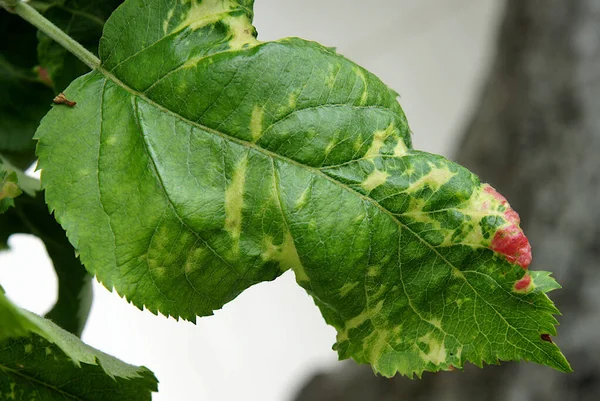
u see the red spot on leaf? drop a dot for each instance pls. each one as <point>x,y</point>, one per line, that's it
<point>513,244</point>
<point>510,240</point>
<point>512,216</point>
<point>490,190</point>
<point>523,284</point>
<point>44,76</point>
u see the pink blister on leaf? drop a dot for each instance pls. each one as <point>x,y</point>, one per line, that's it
<point>510,240</point>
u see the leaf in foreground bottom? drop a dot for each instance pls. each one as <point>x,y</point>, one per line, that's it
<point>41,361</point>
<point>199,161</point>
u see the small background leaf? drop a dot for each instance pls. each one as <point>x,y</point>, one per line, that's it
<point>38,359</point>
<point>83,20</point>
<point>31,216</point>
<point>24,98</point>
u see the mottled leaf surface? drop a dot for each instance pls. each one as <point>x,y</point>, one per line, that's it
<point>199,161</point>
<point>41,361</point>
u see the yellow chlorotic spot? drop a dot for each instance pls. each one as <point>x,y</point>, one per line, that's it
<point>241,29</point>
<point>234,200</point>
<point>256,122</point>
<point>379,138</point>
<point>28,348</point>
<point>375,179</point>
<point>359,319</point>
<point>330,146</point>
<point>436,322</point>
<point>375,343</point>
<point>167,21</point>
<point>358,142</point>
<point>204,12</point>
<point>437,350</point>
<point>194,260</point>
<point>374,271</point>
<point>434,179</point>
<point>457,273</point>
<point>346,288</point>
<point>286,255</point>
<point>400,149</point>
<point>159,271</point>
<point>303,198</point>
<point>48,351</point>
<point>331,75</point>
<point>361,75</point>
<point>111,140</point>
<point>292,99</point>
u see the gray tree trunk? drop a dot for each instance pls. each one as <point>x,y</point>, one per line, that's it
<point>536,138</point>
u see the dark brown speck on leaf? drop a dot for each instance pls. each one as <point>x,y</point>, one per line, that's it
<point>61,99</point>
<point>546,337</point>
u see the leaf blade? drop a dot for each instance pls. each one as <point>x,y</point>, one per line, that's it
<point>289,157</point>
<point>40,359</point>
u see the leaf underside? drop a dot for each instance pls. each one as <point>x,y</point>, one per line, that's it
<point>199,161</point>
<point>41,361</point>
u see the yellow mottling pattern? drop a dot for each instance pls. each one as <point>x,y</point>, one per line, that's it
<point>437,350</point>
<point>256,122</point>
<point>301,202</point>
<point>332,70</point>
<point>356,321</point>
<point>241,29</point>
<point>400,149</point>
<point>434,180</point>
<point>234,200</point>
<point>374,271</point>
<point>194,260</point>
<point>361,75</point>
<point>379,138</point>
<point>286,255</point>
<point>346,288</point>
<point>167,21</point>
<point>436,322</point>
<point>206,12</point>
<point>375,179</point>
<point>293,99</point>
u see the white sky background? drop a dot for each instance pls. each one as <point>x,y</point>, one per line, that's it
<point>265,344</point>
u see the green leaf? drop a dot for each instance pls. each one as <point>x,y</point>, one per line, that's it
<point>200,161</point>
<point>83,20</point>
<point>31,216</point>
<point>25,99</point>
<point>41,361</point>
<point>9,187</point>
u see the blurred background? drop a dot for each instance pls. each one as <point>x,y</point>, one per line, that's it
<point>511,89</point>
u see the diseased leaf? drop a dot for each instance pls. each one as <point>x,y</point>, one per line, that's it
<point>41,361</point>
<point>200,161</point>
<point>9,188</point>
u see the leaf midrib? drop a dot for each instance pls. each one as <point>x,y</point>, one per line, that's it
<point>314,170</point>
